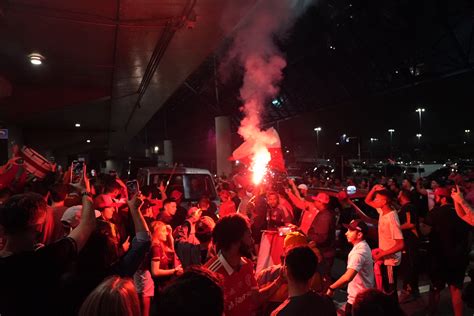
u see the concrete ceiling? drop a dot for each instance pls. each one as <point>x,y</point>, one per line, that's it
<point>100,62</point>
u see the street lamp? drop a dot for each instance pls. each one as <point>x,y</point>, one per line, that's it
<point>419,137</point>
<point>372,140</point>
<point>420,110</point>
<point>317,130</point>
<point>391,131</point>
<point>358,143</point>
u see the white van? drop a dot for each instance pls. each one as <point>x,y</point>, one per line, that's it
<point>193,183</point>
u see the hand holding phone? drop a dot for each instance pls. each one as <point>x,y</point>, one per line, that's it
<point>77,171</point>
<point>132,188</point>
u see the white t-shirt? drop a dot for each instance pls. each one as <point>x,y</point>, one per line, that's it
<point>389,230</point>
<point>360,260</point>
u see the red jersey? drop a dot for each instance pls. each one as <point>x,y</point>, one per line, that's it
<point>238,285</point>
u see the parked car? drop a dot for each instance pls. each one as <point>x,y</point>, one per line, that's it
<point>193,183</point>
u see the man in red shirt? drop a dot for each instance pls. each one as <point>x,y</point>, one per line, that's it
<point>233,241</point>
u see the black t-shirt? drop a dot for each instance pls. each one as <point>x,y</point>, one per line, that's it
<point>307,304</point>
<point>28,280</point>
<point>409,211</point>
<point>449,234</point>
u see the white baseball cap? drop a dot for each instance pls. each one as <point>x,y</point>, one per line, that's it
<point>303,187</point>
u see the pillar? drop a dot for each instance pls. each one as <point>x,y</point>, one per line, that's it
<point>223,145</point>
<point>168,152</point>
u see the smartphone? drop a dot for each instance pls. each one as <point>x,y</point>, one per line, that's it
<point>77,171</point>
<point>132,188</point>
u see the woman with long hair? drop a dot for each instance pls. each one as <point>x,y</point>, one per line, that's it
<point>115,296</point>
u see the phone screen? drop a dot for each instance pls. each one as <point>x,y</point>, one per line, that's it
<point>132,188</point>
<point>77,171</point>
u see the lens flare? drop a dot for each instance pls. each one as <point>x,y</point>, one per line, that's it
<point>259,164</point>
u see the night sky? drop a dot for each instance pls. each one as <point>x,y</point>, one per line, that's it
<point>353,68</point>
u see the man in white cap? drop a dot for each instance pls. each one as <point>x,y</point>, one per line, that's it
<point>303,188</point>
<point>72,217</point>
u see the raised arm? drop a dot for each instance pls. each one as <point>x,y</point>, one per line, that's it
<point>370,196</point>
<point>294,188</point>
<point>362,215</point>
<point>139,222</point>
<point>162,189</point>
<point>86,226</point>
<point>462,207</point>
<point>299,203</point>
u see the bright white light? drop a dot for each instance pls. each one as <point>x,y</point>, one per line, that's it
<point>317,129</point>
<point>391,130</point>
<point>287,151</point>
<point>36,59</point>
<point>77,125</point>
<point>467,131</point>
<point>418,135</point>
<point>337,144</point>
<point>237,162</point>
<point>88,141</point>
<point>419,110</point>
<point>156,149</point>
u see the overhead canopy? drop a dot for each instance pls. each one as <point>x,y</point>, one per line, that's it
<point>100,61</point>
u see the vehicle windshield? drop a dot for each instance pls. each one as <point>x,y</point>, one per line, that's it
<point>193,186</point>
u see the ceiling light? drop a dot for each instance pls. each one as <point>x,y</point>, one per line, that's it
<point>77,125</point>
<point>36,59</point>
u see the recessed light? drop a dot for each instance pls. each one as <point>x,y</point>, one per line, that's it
<point>36,59</point>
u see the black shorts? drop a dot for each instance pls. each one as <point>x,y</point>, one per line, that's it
<point>450,272</point>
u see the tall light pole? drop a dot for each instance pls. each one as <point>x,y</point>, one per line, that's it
<point>419,137</point>
<point>468,134</point>
<point>358,143</point>
<point>420,110</point>
<point>372,140</point>
<point>391,131</point>
<point>317,130</point>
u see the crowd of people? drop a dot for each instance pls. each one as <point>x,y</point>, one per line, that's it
<point>90,247</point>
